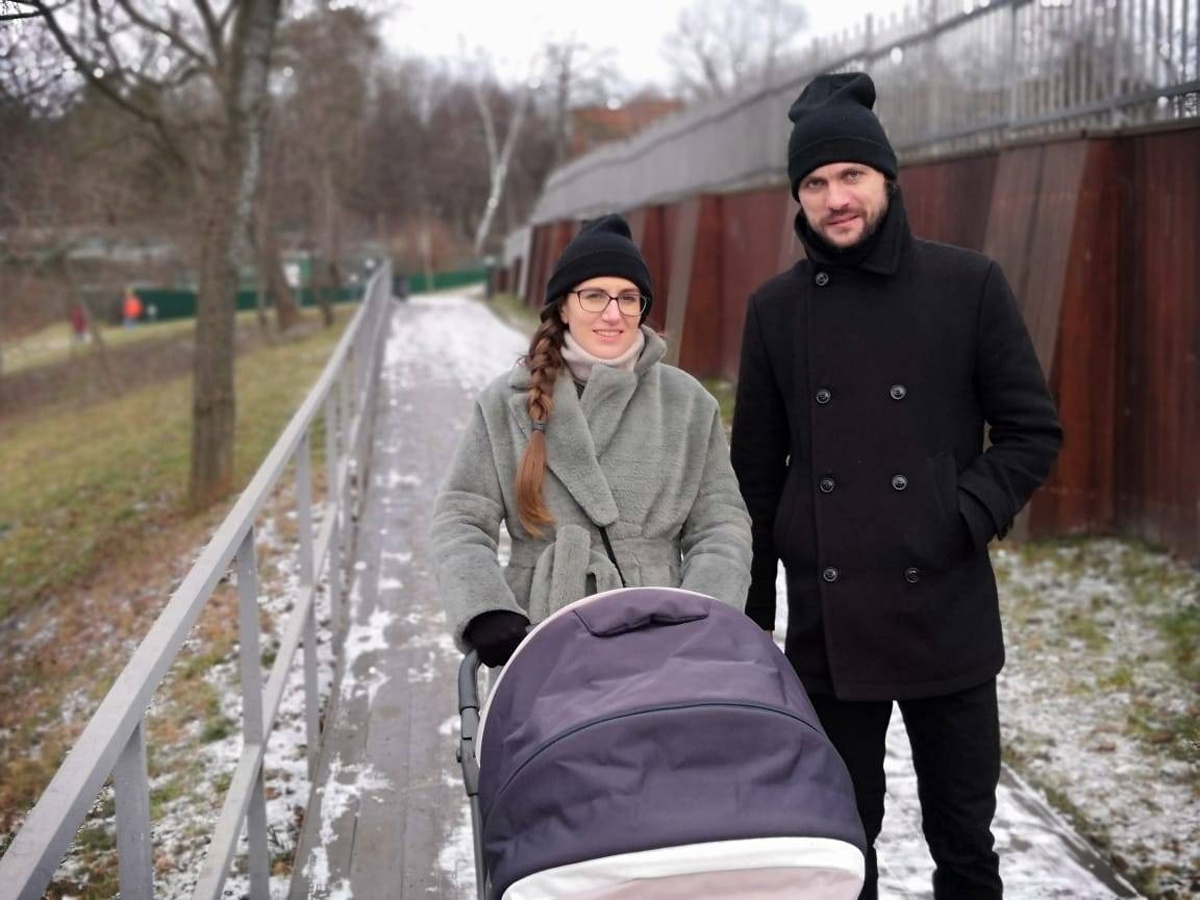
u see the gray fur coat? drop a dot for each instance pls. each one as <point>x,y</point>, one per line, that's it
<point>640,452</point>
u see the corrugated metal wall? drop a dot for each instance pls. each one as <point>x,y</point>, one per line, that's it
<point>1099,239</point>
<point>1158,422</point>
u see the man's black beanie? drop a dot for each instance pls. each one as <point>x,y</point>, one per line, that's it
<point>603,247</point>
<point>833,122</point>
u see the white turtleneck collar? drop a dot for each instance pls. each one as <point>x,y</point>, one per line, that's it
<point>580,362</point>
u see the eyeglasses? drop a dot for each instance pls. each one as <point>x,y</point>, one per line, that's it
<point>596,300</point>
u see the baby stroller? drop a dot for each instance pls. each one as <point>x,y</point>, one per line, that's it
<point>653,743</point>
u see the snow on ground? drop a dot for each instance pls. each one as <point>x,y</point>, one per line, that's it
<point>1039,852</point>
<point>1065,708</point>
<point>1091,706</point>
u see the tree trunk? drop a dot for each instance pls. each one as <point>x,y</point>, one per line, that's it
<point>269,259</point>
<point>213,400</point>
<point>229,190</point>
<point>498,158</point>
<point>287,308</point>
<point>330,239</point>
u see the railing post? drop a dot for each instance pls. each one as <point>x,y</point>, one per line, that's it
<point>135,858</point>
<point>1014,37</point>
<point>346,418</point>
<point>333,502</point>
<point>252,715</point>
<point>307,583</point>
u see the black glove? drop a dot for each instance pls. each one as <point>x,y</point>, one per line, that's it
<point>495,635</point>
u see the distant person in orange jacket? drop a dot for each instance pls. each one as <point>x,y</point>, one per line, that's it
<point>131,308</point>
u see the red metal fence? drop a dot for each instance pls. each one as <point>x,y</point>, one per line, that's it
<point>1099,238</point>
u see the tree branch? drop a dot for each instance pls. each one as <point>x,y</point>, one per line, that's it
<point>213,27</point>
<point>86,69</point>
<point>28,14</point>
<point>174,35</point>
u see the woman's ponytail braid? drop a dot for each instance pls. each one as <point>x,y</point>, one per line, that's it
<point>544,360</point>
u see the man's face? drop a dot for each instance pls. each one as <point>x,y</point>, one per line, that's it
<point>843,202</point>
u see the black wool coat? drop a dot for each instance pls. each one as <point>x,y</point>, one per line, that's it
<point>859,445</point>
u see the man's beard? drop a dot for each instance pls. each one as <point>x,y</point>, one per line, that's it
<point>865,240</point>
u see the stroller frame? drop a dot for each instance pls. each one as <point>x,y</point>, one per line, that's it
<point>468,758</point>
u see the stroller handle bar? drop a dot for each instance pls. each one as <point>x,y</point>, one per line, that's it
<point>468,708</point>
<point>468,682</point>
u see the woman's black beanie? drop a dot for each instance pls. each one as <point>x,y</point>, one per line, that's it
<point>832,122</point>
<point>603,247</point>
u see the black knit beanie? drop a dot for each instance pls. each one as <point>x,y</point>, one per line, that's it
<point>833,122</point>
<point>603,248</point>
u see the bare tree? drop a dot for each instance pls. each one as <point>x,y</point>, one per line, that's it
<point>499,151</point>
<point>197,77</point>
<point>328,57</point>
<point>576,74</point>
<point>721,46</point>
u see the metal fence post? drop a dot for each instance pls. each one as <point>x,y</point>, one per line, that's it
<point>333,501</point>
<point>252,715</point>
<point>308,583</point>
<point>135,858</point>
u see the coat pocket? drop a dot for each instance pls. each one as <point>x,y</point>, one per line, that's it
<point>937,535</point>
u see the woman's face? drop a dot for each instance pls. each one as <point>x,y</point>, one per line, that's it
<point>606,334</point>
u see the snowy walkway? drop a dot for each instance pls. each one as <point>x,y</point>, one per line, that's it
<point>389,817</point>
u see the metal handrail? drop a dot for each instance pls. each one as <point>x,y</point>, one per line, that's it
<point>113,742</point>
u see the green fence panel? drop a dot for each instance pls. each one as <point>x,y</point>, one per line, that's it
<point>167,303</point>
<point>180,303</point>
<point>419,284</point>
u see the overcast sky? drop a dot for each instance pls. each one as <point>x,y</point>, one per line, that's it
<point>511,32</point>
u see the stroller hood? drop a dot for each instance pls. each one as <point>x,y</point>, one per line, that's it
<point>648,718</point>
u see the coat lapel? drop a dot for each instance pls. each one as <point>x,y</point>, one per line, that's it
<point>581,428</point>
<point>570,451</point>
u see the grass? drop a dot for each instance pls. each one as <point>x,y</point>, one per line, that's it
<point>1115,625</point>
<point>93,538</point>
<point>54,343</point>
<point>511,310</point>
<point>81,485</point>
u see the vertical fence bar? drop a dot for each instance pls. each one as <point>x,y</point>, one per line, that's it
<point>361,358</point>
<point>304,508</point>
<point>1014,78</point>
<point>307,582</point>
<point>131,786</point>
<point>252,715</point>
<point>346,416</point>
<point>1117,87</point>
<point>1186,73</point>
<point>333,502</point>
<point>345,379</point>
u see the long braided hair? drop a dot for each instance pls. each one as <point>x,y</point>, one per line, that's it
<point>544,361</point>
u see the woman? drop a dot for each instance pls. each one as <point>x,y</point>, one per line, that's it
<point>607,466</point>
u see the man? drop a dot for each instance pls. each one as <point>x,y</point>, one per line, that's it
<point>868,371</point>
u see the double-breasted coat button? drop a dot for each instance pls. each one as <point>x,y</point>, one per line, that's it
<point>824,395</point>
<point>899,482</point>
<point>912,575</point>
<point>822,279</point>
<point>830,574</point>
<point>898,392</point>
<point>827,485</point>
